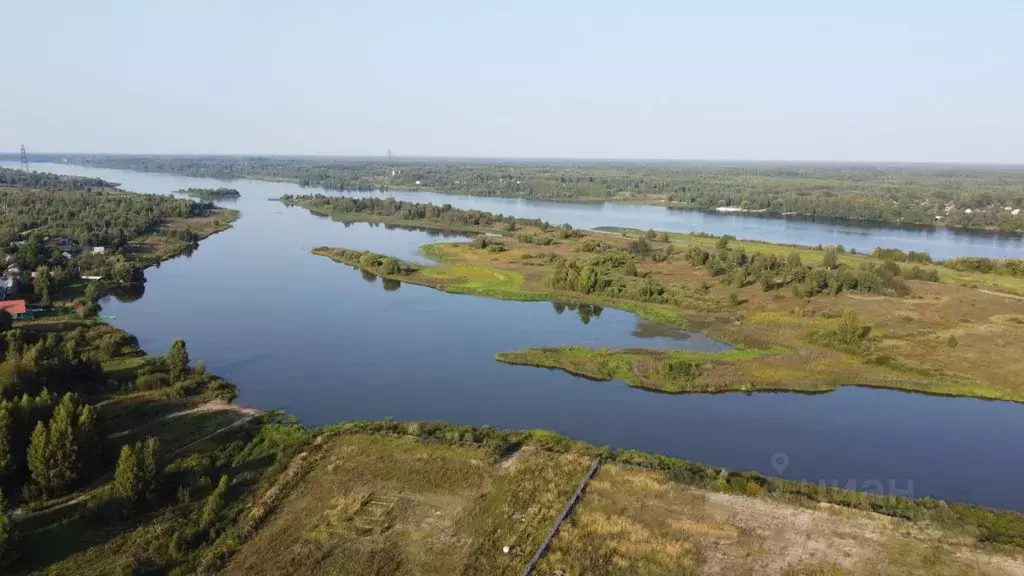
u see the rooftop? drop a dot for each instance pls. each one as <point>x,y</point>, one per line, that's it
<point>13,306</point>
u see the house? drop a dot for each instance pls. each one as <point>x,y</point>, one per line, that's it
<point>16,308</point>
<point>99,250</point>
<point>8,286</point>
<point>66,255</point>
<point>84,277</point>
<point>65,243</point>
<point>12,271</point>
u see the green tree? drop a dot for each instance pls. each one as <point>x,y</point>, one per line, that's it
<point>8,535</point>
<point>15,343</point>
<point>6,451</point>
<point>952,342</point>
<point>390,266</point>
<point>215,501</point>
<point>831,258</point>
<point>127,483</point>
<point>588,280</point>
<point>41,283</point>
<point>722,243</point>
<point>92,292</point>
<point>793,261</point>
<point>6,320</point>
<point>147,451</point>
<point>734,299</point>
<point>62,448</point>
<point>368,260</point>
<point>87,437</point>
<point>39,463</point>
<point>178,361</point>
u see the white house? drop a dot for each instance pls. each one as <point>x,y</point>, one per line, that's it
<point>1015,211</point>
<point>99,250</point>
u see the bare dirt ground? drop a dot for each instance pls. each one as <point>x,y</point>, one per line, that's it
<point>208,407</point>
<point>633,521</point>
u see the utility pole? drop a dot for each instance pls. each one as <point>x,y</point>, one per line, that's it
<point>24,159</point>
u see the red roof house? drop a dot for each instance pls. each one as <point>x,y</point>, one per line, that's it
<point>15,307</point>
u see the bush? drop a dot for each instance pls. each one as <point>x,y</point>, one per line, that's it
<point>952,342</point>
<point>152,381</point>
<point>368,260</point>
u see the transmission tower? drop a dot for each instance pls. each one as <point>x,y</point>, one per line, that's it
<point>24,159</point>
<point>389,158</point>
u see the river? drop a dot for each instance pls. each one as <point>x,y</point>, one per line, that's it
<point>324,342</point>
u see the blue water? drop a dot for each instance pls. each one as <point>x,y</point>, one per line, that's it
<point>318,339</point>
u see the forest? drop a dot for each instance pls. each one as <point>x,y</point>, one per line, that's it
<point>47,181</point>
<point>985,197</point>
<point>67,206</point>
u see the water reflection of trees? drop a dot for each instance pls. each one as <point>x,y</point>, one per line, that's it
<point>127,293</point>
<point>431,232</point>
<point>585,312</point>
<point>391,285</point>
<point>368,276</point>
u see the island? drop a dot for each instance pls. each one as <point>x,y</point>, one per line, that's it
<point>211,193</point>
<point>797,318</point>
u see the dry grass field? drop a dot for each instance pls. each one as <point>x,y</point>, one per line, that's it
<point>397,504</point>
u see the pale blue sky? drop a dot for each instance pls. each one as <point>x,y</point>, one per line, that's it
<point>767,80</point>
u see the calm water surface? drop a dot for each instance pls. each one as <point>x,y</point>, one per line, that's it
<point>327,343</point>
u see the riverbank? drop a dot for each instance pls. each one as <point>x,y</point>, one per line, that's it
<point>924,336</point>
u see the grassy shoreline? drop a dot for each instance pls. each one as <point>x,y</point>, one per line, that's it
<point>473,281</point>
<point>159,246</point>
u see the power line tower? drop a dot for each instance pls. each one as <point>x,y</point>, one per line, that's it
<point>389,158</point>
<point>24,159</point>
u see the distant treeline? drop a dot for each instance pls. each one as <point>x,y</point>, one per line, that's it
<point>391,208</point>
<point>962,196</point>
<point>46,181</point>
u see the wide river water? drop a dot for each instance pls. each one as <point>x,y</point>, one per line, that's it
<point>322,341</point>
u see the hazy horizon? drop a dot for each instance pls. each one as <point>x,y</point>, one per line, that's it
<point>656,81</point>
<point>12,156</point>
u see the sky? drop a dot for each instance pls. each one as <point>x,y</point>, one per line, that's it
<point>894,80</point>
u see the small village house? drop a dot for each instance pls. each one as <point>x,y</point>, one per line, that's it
<point>99,250</point>
<point>8,286</point>
<point>17,309</point>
